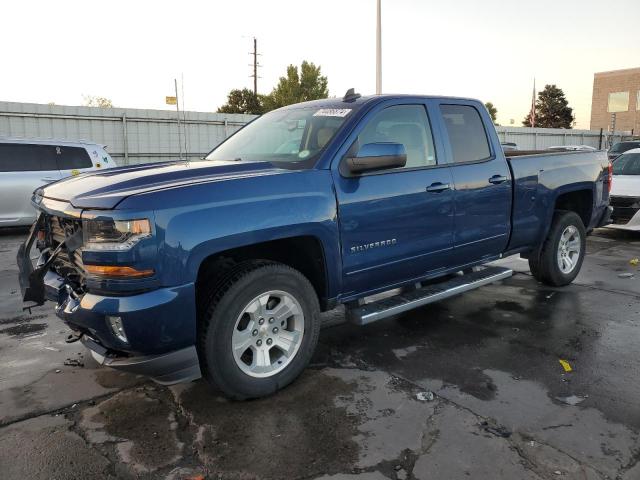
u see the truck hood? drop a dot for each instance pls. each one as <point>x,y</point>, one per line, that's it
<point>626,186</point>
<point>106,188</point>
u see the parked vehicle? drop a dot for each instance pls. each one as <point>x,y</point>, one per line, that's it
<point>572,148</point>
<point>509,146</point>
<point>220,268</point>
<point>625,193</point>
<point>26,164</point>
<point>620,147</point>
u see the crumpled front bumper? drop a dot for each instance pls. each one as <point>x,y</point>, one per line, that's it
<point>160,324</point>
<point>167,368</point>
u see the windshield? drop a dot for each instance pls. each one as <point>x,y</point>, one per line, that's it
<point>622,147</point>
<point>628,164</point>
<point>290,138</point>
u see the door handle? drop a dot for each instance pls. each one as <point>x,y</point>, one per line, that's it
<point>438,187</point>
<point>497,179</point>
<point>48,179</point>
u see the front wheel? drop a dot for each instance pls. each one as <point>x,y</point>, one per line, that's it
<point>560,258</point>
<point>259,330</point>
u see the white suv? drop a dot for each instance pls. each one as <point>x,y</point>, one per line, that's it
<point>27,164</point>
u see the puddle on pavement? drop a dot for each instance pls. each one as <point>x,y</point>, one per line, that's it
<point>517,327</point>
<point>23,330</point>
<point>297,432</point>
<point>584,434</point>
<point>326,422</point>
<point>143,423</point>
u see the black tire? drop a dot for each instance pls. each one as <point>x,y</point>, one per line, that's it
<point>228,298</point>
<point>544,265</point>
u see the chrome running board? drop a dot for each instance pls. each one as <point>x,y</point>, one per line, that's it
<point>403,302</point>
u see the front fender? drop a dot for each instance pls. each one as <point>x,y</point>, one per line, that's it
<point>208,219</point>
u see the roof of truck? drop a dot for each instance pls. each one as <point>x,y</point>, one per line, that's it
<point>339,101</point>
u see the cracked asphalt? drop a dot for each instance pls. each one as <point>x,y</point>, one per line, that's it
<point>503,407</point>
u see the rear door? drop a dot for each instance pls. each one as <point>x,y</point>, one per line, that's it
<point>395,224</point>
<point>23,168</point>
<point>482,179</point>
<point>74,160</point>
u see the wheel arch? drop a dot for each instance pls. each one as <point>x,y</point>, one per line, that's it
<point>579,201</point>
<point>305,253</point>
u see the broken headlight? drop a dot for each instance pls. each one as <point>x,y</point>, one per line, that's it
<point>108,234</point>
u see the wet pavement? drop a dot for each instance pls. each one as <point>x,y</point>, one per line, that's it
<point>471,387</point>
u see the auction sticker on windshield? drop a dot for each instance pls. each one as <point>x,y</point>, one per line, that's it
<point>332,112</point>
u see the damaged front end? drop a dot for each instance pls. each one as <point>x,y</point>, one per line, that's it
<point>127,322</point>
<point>57,240</point>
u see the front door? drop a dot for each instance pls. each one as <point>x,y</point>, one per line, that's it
<point>396,224</point>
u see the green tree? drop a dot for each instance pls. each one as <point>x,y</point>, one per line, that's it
<point>243,101</point>
<point>493,111</point>
<point>299,85</point>
<point>552,110</point>
<point>93,101</point>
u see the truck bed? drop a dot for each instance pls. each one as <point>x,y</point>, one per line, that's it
<point>539,177</point>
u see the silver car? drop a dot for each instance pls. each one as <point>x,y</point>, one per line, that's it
<point>27,164</point>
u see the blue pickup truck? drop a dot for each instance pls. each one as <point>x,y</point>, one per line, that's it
<point>220,268</point>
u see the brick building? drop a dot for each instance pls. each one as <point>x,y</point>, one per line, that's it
<point>616,91</point>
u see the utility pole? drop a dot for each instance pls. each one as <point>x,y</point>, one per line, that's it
<point>175,83</point>
<point>255,66</point>
<point>378,49</point>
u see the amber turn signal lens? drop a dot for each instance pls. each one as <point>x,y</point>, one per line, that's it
<point>114,271</point>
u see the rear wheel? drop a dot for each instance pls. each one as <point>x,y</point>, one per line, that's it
<point>561,256</point>
<point>259,329</point>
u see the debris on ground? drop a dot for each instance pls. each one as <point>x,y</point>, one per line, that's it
<point>550,295</point>
<point>625,275</point>
<point>566,365</point>
<point>572,400</point>
<point>634,262</point>
<point>74,362</point>
<point>425,396</point>
<point>58,370</point>
<point>498,431</point>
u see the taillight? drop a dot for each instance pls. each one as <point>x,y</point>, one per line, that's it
<point>610,175</point>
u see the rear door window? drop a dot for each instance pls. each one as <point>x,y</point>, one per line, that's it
<point>466,132</point>
<point>21,157</point>
<point>72,158</point>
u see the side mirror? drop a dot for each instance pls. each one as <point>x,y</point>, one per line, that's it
<point>377,156</point>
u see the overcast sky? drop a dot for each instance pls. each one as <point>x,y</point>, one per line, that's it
<point>130,51</point>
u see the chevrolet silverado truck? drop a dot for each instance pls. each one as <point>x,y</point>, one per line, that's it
<point>220,268</point>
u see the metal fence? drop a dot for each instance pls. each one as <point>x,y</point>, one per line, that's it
<point>540,138</point>
<point>139,136</point>
<point>131,135</point>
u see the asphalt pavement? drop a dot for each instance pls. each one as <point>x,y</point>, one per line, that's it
<point>471,387</point>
